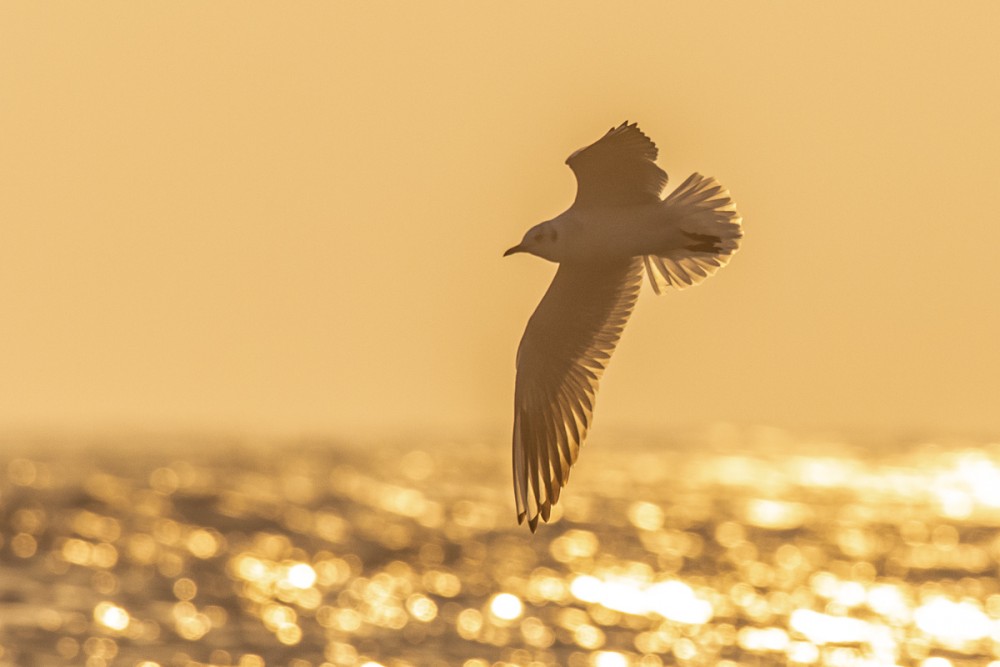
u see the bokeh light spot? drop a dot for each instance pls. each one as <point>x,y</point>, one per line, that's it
<point>506,606</point>
<point>111,616</point>
<point>301,575</point>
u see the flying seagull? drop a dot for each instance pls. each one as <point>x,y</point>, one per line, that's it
<point>617,225</point>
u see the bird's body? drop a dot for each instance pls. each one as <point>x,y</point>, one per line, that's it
<point>597,234</point>
<point>617,225</point>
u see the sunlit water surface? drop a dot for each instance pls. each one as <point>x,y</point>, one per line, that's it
<point>721,549</point>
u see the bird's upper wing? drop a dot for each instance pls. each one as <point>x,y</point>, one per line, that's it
<point>619,169</point>
<point>565,349</point>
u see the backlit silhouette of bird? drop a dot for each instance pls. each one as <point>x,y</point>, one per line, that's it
<point>617,225</point>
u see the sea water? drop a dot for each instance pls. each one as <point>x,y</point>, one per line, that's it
<point>723,548</point>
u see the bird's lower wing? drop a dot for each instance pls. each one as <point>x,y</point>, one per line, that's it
<point>565,349</point>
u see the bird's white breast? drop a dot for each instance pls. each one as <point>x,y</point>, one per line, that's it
<point>603,234</point>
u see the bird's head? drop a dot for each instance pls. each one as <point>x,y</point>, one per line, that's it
<point>541,240</point>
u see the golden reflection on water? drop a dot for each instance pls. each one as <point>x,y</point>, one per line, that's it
<point>778,553</point>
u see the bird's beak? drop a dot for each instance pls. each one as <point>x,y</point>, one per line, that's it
<point>511,251</point>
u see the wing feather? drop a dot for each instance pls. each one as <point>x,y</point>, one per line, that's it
<point>563,353</point>
<point>619,169</point>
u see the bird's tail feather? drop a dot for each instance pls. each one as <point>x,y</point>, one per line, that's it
<point>705,214</point>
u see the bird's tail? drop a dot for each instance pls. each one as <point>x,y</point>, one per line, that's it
<point>706,216</point>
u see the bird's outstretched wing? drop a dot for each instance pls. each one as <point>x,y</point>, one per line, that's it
<point>619,169</point>
<point>565,349</point>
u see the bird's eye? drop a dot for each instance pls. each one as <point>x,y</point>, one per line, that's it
<point>555,236</point>
<point>538,236</point>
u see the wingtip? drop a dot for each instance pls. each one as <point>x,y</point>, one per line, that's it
<point>533,521</point>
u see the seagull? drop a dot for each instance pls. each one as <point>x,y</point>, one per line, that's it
<point>617,226</point>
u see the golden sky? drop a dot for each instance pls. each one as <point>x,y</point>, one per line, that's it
<point>289,217</point>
